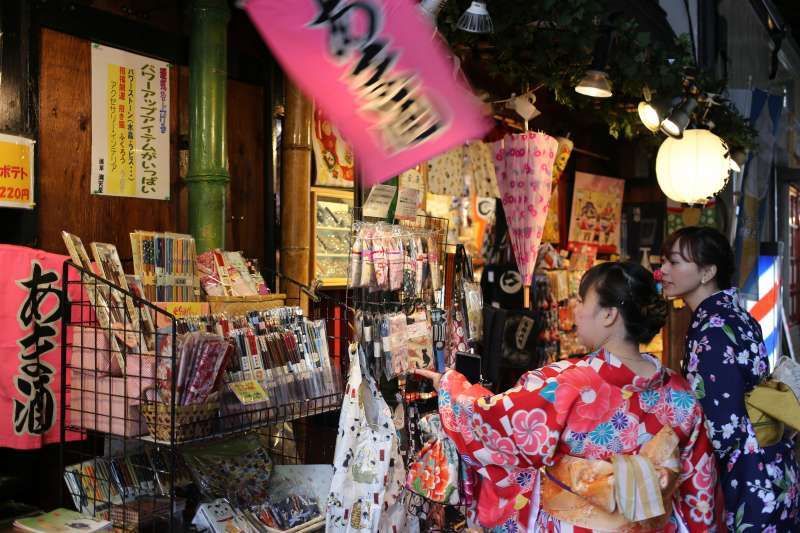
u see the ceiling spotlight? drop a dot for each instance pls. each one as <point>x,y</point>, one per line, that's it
<point>679,119</point>
<point>653,112</point>
<point>476,19</point>
<point>595,82</point>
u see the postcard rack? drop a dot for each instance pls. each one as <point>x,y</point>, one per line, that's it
<point>122,401</point>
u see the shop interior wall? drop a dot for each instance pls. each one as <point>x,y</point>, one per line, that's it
<point>65,155</point>
<point>57,106</point>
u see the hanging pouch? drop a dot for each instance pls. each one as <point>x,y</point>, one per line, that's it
<point>437,461</point>
<point>355,261</point>
<point>367,265</point>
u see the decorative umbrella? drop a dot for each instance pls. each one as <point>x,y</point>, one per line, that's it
<point>524,168</point>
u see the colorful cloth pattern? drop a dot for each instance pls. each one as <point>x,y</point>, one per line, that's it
<point>446,173</point>
<point>726,358</point>
<point>434,474</point>
<point>480,165</point>
<point>592,408</point>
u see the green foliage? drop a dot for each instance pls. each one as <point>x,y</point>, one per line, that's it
<point>550,43</point>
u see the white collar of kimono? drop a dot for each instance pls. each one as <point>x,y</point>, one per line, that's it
<point>638,383</point>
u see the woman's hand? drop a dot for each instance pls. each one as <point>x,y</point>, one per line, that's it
<point>435,377</point>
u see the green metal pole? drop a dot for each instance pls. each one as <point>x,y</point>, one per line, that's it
<point>207,177</point>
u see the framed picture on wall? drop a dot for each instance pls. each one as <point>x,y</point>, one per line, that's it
<point>333,157</point>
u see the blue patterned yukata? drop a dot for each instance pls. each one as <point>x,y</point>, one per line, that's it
<point>725,358</point>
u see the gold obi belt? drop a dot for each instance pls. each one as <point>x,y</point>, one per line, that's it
<point>631,493</point>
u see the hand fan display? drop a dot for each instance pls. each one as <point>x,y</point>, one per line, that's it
<point>524,167</point>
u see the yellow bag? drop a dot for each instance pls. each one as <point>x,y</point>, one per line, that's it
<point>771,407</point>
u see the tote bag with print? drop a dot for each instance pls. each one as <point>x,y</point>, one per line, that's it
<point>363,454</point>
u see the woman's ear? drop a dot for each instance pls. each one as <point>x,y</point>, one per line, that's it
<point>610,316</point>
<point>707,273</point>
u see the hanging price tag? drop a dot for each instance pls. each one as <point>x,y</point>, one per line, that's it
<point>248,391</point>
<point>407,202</point>
<point>379,200</point>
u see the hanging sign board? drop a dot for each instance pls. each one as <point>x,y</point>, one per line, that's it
<point>16,172</point>
<point>31,292</point>
<point>377,72</point>
<point>130,125</point>
<point>379,201</point>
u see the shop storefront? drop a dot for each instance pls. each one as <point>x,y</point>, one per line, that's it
<point>284,267</point>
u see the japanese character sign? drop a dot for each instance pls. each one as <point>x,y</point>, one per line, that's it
<point>16,172</point>
<point>130,125</point>
<point>376,70</point>
<point>30,347</point>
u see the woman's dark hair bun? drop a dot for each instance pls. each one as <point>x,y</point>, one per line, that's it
<point>632,289</point>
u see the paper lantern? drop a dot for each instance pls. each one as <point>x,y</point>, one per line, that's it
<point>694,168</point>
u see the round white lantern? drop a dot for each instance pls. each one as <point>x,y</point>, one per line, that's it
<point>694,168</point>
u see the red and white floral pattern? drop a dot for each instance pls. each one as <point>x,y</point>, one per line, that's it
<point>594,408</point>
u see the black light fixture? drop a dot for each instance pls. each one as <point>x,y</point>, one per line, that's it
<point>476,19</point>
<point>595,81</point>
<point>652,112</point>
<point>679,119</point>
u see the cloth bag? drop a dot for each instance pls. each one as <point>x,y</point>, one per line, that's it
<point>363,454</point>
<point>773,405</point>
<point>434,474</point>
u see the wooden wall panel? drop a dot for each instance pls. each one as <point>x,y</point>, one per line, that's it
<point>65,147</point>
<point>246,168</point>
<point>65,159</point>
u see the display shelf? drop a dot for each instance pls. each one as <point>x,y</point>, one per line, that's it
<point>106,387</point>
<point>228,425</point>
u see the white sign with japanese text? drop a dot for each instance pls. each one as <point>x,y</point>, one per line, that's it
<point>130,125</point>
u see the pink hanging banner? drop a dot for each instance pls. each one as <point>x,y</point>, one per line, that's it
<point>376,70</point>
<point>30,347</point>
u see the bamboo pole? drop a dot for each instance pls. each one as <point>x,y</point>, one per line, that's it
<point>296,193</point>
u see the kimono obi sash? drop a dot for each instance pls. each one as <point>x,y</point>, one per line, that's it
<point>631,493</point>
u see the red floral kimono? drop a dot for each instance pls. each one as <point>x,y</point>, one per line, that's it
<point>590,408</point>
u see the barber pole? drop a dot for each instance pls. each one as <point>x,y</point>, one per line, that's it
<point>767,309</point>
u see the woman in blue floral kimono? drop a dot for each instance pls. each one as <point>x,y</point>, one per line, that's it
<point>725,358</point>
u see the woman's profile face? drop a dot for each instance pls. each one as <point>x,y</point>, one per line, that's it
<point>679,275</point>
<point>588,320</point>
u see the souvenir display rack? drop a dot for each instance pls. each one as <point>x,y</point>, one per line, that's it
<point>120,470</point>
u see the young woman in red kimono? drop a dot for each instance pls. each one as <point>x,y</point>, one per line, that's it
<point>612,441</point>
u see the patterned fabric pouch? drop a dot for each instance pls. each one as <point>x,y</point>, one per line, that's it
<point>456,334</point>
<point>434,474</point>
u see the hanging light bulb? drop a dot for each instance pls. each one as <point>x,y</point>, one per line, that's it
<point>431,8</point>
<point>476,19</point>
<point>679,119</point>
<point>595,81</point>
<point>694,168</point>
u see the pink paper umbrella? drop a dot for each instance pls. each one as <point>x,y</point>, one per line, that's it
<point>524,167</point>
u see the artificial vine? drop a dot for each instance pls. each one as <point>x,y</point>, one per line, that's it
<point>550,43</point>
